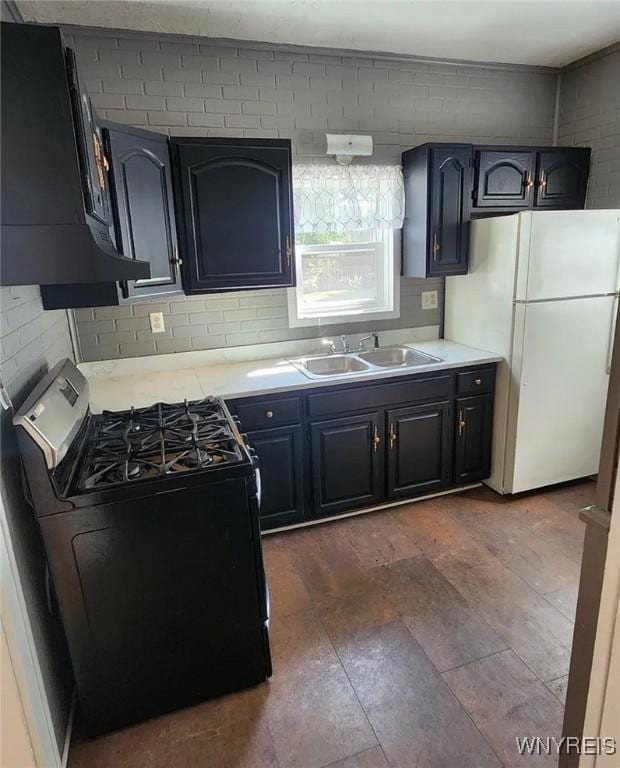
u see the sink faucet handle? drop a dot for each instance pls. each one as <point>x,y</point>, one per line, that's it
<point>330,345</point>
<point>345,343</point>
<point>375,337</point>
<point>361,346</point>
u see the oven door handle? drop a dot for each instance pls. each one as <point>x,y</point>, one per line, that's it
<point>259,487</point>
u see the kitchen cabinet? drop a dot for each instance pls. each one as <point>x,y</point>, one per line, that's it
<point>235,213</point>
<point>144,226</point>
<point>280,455</point>
<point>418,445</point>
<point>55,197</point>
<point>504,178</point>
<point>347,459</point>
<point>330,449</point>
<point>562,178</point>
<point>437,209</point>
<point>472,454</point>
<point>275,432</point>
<point>509,179</point>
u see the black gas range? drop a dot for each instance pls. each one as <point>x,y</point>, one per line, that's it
<point>150,523</point>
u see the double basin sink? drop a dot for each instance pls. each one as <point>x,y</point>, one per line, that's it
<point>346,363</point>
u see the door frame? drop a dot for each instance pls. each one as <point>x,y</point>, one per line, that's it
<point>24,658</point>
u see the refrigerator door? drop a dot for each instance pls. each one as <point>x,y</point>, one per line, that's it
<point>568,253</point>
<point>558,390</point>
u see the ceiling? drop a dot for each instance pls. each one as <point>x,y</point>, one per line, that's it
<point>536,32</point>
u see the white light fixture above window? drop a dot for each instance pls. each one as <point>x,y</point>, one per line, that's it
<point>345,147</point>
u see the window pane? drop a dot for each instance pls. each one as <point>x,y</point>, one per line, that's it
<point>339,276</point>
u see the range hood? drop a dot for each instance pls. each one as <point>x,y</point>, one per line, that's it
<point>56,217</point>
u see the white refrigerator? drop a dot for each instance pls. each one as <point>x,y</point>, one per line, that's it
<point>542,291</point>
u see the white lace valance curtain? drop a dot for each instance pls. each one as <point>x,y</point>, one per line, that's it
<point>333,198</point>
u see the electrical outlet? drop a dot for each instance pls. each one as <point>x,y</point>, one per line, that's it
<point>429,300</point>
<point>157,322</point>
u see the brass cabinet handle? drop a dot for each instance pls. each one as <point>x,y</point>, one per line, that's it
<point>375,438</point>
<point>175,256</point>
<point>529,182</point>
<point>269,414</point>
<point>392,435</point>
<point>461,422</point>
<point>101,161</point>
<point>435,246</point>
<point>542,183</point>
<point>289,250</point>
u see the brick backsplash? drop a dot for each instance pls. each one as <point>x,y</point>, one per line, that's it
<point>590,116</point>
<point>195,87</point>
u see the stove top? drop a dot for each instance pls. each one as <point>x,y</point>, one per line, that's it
<point>157,442</point>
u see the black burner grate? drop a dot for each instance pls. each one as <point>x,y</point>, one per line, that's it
<point>158,441</point>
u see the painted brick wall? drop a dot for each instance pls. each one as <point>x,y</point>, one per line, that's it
<point>590,116</point>
<point>195,87</point>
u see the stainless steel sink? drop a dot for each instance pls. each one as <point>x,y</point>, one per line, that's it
<point>331,365</point>
<point>397,357</point>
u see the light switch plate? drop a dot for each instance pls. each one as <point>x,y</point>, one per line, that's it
<point>157,322</point>
<point>429,300</point>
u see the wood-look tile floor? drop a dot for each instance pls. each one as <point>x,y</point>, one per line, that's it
<point>425,636</point>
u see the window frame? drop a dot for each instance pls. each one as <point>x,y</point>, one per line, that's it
<point>389,239</point>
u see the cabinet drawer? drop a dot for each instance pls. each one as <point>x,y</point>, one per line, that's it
<point>475,382</point>
<point>366,398</point>
<point>259,414</point>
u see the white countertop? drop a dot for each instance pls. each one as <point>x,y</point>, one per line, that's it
<point>115,386</point>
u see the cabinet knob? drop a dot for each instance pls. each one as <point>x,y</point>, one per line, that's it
<point>478,381</point>
<point>269,414</point>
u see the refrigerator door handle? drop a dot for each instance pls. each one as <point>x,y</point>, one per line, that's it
<point>612,331</point>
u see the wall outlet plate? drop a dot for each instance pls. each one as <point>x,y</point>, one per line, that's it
<point>157,322</point>
<point>429,300</point>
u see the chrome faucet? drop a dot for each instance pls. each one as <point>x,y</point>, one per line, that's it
<point>374,336</point>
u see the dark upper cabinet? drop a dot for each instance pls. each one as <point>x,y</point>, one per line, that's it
<point>347,463</point>
<point>562,178</point>
<point>56,211</point>
<point>437,209</point>
<point>474,424</point>
<point>235,213</point>
<point>504,178</point>
<point>418,440</point>
<point>281,462</point>
<point>509,179</point>
<point>144,207</point>
<point>140,183</point>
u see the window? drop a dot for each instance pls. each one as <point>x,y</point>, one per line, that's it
<point>348,275</point>
<point>346,220</point>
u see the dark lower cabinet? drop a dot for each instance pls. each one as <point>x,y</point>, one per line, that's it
<point>504,178</point>
<point>281,461</point>
<point>347,463</point>
<point>474,423</point>
<point>562,178</point>
<point>333,449</point>
<point>418,441</point>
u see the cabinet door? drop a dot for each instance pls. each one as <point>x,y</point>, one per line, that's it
<point>144,207</point>
<point>473,438</point>
<point>347,463</point>
<point>90,146</point>
<point>561,178</point>
<point>450,193</point>
<point>237,213</point>
<point>504,179</point>
<point>418,440</point>
<point>280,454</point>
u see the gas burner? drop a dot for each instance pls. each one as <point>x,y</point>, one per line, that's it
<point>157,442</point>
